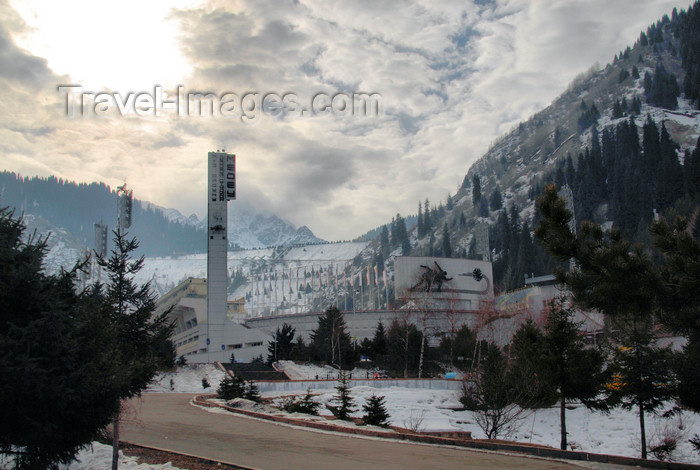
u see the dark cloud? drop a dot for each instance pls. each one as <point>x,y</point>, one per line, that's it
<point>239,47</point>
<point>318,170</point>
<point>16,65</point>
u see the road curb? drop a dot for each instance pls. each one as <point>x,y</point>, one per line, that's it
<point>489,445</point>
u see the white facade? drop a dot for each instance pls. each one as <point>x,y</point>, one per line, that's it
<point>443,283</point>
<point>188,304</point>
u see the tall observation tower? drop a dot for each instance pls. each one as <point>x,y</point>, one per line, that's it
<point>222,188</point>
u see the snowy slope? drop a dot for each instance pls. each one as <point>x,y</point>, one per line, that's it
<point>271,273</point>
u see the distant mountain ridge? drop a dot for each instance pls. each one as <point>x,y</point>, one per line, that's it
<point>249,228</point>
<point>72,209</point>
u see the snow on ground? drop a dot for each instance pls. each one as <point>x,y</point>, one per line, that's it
<point>98,456</point>
<point>616,433</point>
<point>188,379</point>
<point>314,372</point>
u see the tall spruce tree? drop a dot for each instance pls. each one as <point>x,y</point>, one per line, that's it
<point>446,245</point>
<point>527,352</point>
<point>144,340</point>
<point>330,340</point>
<point>619,280</point>
<point>476,190</point>
<point>680,296</point>
<point>57,391</point>
<point>379,340</point>
<point>280,348</point>
<point>575,370</point>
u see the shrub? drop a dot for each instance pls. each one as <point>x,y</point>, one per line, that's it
<point>252,393</point>
<point>375,412</point>
<point>231,387</point>
<point>306,405</point>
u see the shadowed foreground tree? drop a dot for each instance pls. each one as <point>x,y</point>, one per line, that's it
<point>330,341</point>
<point>680,296</point>
<point>619,280</point>
<point>143,341</point>
<point>281,347</point>
<point>63,355</point>
<point>576,370</point>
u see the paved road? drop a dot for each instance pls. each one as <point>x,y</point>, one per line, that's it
<point>169,422</point>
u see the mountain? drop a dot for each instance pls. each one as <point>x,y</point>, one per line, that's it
<point>249,228</point>
<point>624,138</point>
<point>69,211</point>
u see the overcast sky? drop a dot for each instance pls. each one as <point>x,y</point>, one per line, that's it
<point>450,76</point>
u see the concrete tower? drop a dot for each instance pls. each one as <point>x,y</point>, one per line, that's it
<point>222,188</point>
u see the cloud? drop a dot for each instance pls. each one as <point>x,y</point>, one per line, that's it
<point>452,78</point>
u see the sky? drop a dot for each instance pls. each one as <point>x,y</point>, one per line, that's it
<point>92,92</point>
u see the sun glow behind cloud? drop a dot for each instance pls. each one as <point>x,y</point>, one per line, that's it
<point>131,46</point>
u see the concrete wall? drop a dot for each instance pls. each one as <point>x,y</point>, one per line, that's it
<point>317,385</point>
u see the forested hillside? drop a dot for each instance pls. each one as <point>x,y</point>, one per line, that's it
<point>625,139</point>
<point>77,206</point>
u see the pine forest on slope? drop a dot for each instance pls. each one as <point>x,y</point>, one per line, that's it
<point>625,139</point>
<point>73,208</point>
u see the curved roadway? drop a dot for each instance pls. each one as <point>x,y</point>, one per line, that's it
<point>167,421</point>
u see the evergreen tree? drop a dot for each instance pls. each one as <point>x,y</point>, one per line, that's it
<point>427,220</point>
<point>61,383</point>
<point>346,404</point>
<point>577,371</point>
<point>483,207</point>
<point>384,241</point>
<point>459,350</point>
<point>420,225</point>
<point>251,392</point>
<point>300,351</point>
<point>619,281</point>
<point>527,351</point>
<point>403,346</point>
<point>379,340</point>
<point>375,410</point>
<point>231,387</point>
<point>496,200</point>
<point>144,342</point>
<point>617,110</point>
<point>669,171</point>
<point>280,348</point>
<point>330,341</point>
<point>446,246</point>
<point>306,405</point>
<point>680,296</point>
<point>476,190</point>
